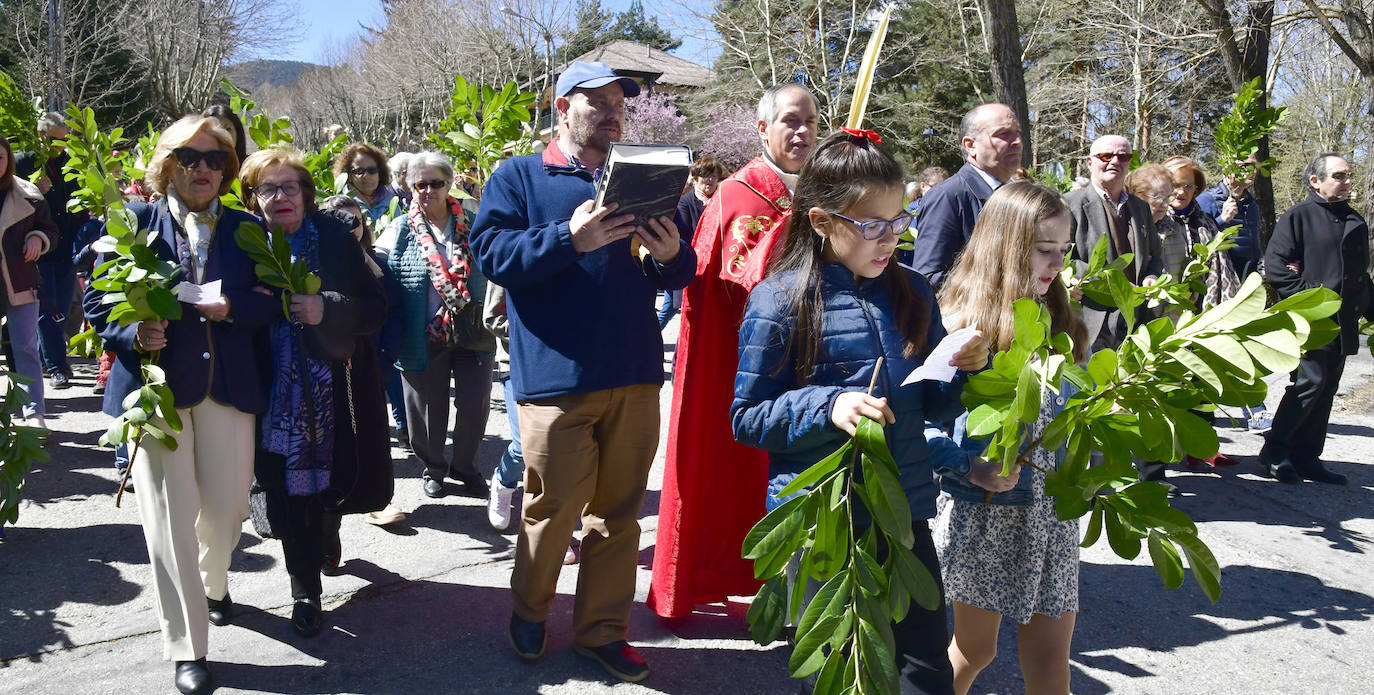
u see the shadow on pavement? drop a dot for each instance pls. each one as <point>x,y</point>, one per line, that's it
<point>398,637</point>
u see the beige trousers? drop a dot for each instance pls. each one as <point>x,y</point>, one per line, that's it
<point>192,502</point>
<point>586,456</point>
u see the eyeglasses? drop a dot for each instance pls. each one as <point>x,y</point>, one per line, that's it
<point>876,229</point>
<point>1106,157</point>
<point>268,191</point>
<point>188,157</point>
<point>1157,198</point>
<point>434,184</point>
<point>1341,176</point>
<point>363,171</point>
<point>1185,187</point>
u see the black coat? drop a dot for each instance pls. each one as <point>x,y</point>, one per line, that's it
<point>354,307</point>
<point>1329,244</point>
<point>61,190</point>
<point>203,359</point>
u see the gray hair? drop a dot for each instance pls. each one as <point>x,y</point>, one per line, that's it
<point>430,158</point>
<point>1317,167</point>
<point>50,120</point>
<point>768,103</point>
<point>399,164</point>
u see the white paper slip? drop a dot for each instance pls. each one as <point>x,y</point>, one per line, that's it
<point>192,293</point>
<point>936,366</point>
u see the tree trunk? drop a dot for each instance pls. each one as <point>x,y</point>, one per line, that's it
<point>1008,74</point>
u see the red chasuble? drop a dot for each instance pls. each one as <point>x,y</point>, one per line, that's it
<point>713,487</point>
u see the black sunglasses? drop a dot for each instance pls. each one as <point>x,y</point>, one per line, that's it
<point>188,157</point>
<point>363,171</point>
<point>435,184</point>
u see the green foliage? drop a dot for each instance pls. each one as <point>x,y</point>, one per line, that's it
<point>262,129</point>
<point>19,123</point>
<point>1141,400</point>
<point>273,264</point>
<point>845,632</point>
<point>321,166</point>
<point>1239,132</point>
<point>21,446</point>
<point>484,125</point>
<point>92,163</point>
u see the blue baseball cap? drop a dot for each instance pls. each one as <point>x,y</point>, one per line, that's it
<point>591,76</point>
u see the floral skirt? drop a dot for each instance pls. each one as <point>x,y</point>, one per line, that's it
<point>1014,560</point>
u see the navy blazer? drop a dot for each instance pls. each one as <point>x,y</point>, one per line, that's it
<point>202,358</point>
<point>945,222</point>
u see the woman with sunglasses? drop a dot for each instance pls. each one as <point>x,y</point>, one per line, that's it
<point>443,339</point>
<point>192,499</point>
<point>322,444</point>
<point>369,180</point>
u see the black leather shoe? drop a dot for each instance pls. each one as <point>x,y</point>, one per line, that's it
<point>527,638</point>
<point>193,677</point>
<point>433,488</point>
<point>1283,472</point>
<point>619,659</point>
<point>473,484</point>
<point>306,617</point>
<point>221,611</point>
<point>1317,472</point>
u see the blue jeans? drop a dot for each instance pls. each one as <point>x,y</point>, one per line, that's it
<point>22,323</point>
<point>391,376</point>
<point>672,301</point>
<point>54,301</point>
<point>512,465</point>
<point>121,457</point>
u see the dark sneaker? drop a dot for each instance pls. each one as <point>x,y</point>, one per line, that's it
<point>619,659</point>
<point>59,381</point>
<point>527,638</point>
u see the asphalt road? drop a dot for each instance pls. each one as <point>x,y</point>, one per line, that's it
<point>422,608</point>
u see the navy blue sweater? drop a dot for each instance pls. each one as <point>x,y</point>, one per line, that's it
<point>579,322</point>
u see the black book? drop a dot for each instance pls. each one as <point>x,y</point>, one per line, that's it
<point>645,179</point>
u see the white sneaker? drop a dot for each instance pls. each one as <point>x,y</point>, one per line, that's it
<point>1261,421</point>
<point>501,504</point>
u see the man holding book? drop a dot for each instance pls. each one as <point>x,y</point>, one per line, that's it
<point>713,487</point>
<point>586,363</point>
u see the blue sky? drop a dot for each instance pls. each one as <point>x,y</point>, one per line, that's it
<point>332,22</point>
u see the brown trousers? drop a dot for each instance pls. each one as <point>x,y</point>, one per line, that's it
<point>586,455</point>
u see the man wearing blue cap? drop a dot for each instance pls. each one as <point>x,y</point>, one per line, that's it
<point>586,364</point>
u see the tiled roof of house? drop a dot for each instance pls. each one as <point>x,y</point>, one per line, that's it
<point>634,57</point>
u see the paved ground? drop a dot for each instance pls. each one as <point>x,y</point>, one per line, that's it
<point>422,608</point>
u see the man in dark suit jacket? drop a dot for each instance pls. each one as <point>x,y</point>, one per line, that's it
<point>1320,242</point>
<point>990,136</point>
<point>1105,208</point>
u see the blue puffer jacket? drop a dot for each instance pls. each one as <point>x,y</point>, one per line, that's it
<point>792,421</point>
<point>955,462</point>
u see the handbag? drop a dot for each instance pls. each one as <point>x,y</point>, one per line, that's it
<point>268,516</point>
<point>470,332</point>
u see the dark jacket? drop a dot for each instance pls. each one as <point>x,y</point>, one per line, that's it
<point>689,210</point>
<point>68,223</point>
<point>354,307</point>
<point>579,322</point>
<point>1088,223</point>
<point>203,358</point>
<point>791,420</point>
<point>23,214</point>
<point>1246,254</point>
<point>948,212</point>
<point>1329,243</point>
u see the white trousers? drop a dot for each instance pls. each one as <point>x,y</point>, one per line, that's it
<point>192,502</point>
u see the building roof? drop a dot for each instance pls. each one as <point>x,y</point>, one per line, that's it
<point>630,57</point>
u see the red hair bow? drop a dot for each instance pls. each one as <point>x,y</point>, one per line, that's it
<point>865,134</point>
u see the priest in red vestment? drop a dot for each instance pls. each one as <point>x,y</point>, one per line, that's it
<point>713,487</point>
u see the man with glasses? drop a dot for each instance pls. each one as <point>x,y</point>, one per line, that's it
<point>1320,242</point>
<point>1104,208</point>
<point>990,137</point>
<point>586,364</point>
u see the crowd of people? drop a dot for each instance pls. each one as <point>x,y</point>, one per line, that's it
<point>797,322</point>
